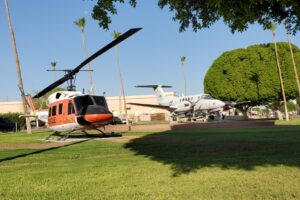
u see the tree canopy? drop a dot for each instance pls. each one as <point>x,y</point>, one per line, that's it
<point>251,74</point>
<point>41,103</point>
<point>203,13</point>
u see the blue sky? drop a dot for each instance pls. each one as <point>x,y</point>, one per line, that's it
<point>45,32</point>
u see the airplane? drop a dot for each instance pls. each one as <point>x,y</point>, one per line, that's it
<point>191,106</point>
<point>72,110</point>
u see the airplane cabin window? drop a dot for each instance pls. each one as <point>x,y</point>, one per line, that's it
<point>60,109</point>
<point>53,111</point>
<point>49,112</point>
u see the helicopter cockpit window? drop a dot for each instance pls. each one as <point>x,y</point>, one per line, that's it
<point>83,101</point>
<point>100,101</point>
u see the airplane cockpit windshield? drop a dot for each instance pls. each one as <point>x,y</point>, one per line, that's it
<point>206,96</point>
<point>86,100</point>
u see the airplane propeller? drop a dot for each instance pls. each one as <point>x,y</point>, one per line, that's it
<point>192,106</point>
<point>70,74</point>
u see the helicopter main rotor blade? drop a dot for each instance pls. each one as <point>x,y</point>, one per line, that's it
<point>86,61</point>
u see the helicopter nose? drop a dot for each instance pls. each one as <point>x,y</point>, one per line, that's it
<point>96,114</point>
<point>94,118</point>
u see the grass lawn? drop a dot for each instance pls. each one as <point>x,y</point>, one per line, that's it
<point>199,164</point>
<point>293,121</point>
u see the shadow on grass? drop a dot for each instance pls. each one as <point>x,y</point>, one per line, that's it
<point>187,151</point>
<point>40,151</point>
<point>79,135</point>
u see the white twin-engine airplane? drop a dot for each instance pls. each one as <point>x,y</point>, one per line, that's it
<point>184,106</point>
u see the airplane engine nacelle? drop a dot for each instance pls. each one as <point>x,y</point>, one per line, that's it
<point>215,110</point>
<point>183,109</point>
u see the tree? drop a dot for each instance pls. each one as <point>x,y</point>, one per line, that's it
<point>53,65</point>
<point>203,13</point>
<point>40,103</point>
<point>182,59</point>
<point>20,81</point>
<point>81,24</point>
<point>116,35</point>
<point>251,75</point>
<point>272,28</point>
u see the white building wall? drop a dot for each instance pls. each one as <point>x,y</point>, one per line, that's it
<point>11,106</point>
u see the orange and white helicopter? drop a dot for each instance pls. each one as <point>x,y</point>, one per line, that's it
<point>71,110</point>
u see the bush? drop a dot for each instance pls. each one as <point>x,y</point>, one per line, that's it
<point>14,117</point>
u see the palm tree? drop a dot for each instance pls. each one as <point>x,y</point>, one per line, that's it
<point>53,64</point>
<point>116,35</point>
<point>20,81</point>
<point>182,59</point>
<point>81,23</point>
<point>293,59</point>
<point>272,28</point>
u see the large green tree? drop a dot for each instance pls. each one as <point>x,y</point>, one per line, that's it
<point>203,13</point>
<point>251,74</point>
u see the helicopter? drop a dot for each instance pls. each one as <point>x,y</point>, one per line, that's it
<point>71,110</point>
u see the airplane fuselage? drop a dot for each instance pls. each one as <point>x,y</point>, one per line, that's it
<point>193,103</point>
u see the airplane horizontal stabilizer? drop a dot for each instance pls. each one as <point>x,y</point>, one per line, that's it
<point>152,106</point>
<point>153,86</point>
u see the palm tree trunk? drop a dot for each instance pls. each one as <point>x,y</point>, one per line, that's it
<point>280,76</point>
<point>122,82</point>
<point>89,64</point>
<point>293,61</point>
<point>184,78</point>
<point>20,81</point>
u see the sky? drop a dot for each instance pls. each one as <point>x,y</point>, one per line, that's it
<point>45,32</point>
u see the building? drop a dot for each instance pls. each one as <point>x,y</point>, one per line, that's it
<point>11,106</point>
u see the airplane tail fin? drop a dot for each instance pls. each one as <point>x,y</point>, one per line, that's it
<point>158,89</point>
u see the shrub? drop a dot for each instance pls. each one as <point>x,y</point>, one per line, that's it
<point>14,117</point>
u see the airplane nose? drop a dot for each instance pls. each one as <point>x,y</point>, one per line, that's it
<point>221,103</point>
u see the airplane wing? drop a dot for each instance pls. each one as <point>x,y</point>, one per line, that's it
<point>231,104</point>
<point>152,106</point>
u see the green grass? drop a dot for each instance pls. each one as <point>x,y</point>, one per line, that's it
<point>295,121</point>
<point>199,164</point>
<point>23,138</point>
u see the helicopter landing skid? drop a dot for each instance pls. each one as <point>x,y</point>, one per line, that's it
<point>56,133</point>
